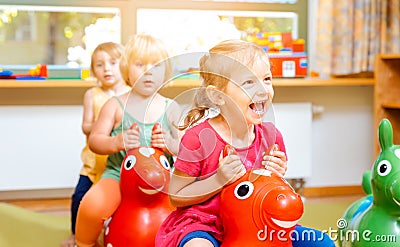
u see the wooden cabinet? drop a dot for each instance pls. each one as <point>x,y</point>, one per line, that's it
<point>387,94</point>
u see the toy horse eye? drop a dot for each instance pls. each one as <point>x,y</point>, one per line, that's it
<point>164,161</point>
<point>130,162</point>
<point>384,167</point>
<point>244,190</point>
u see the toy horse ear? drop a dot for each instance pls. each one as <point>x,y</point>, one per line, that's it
<point>385,134</point>
<point>156,126</point>
<point>228,149</point>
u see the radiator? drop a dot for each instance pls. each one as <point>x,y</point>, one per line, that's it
<point>294,120</point>
<point>40,147</point>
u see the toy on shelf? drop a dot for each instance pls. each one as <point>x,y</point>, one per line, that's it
<point>373,221</point>
<point>39,72</point>
<point>6,74</point>
<point>287,56</point>
<point>44,72</point>
<point>260,209</point>
<point>145,175</point>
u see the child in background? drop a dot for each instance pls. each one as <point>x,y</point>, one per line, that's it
<point>237,82</point>
<point>105,68</point>
<point>126,122</point>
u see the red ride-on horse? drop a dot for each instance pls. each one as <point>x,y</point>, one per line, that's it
<point>259,209</point>
<point>145,176</point>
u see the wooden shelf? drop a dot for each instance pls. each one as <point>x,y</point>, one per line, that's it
<point>390,105</point>
<point>43,92</point>
<point>389,56</point>
<point>306,82</point>
<point>298,82</point>
<point>46,84</point>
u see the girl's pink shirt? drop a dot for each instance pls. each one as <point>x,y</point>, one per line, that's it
<point>198,157</point>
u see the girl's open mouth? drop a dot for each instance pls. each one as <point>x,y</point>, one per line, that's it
<point>258,107</point>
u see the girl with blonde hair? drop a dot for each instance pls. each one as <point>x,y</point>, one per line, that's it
<point>237,89</point>
<point>126,122</point>
<point>105,68</point>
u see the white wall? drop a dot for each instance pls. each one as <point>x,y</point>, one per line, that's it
<point>342,136</point>
<point>297,143</point>
<point>40,147</point>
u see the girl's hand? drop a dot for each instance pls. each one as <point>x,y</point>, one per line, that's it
<point>275,161</point>
<point>131,137</point>
<point>230,168</point>
<point>157,137</point>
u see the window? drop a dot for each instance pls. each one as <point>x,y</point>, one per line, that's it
<point>198,30</point>
<point>192,31</point>
<point>65,32</point>
<point>54,34</point>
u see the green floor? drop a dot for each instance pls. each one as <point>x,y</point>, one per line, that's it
<point>21,227</point>
<point>323,215</point>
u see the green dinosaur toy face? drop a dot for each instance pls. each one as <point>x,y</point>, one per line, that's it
<point>385,176</point>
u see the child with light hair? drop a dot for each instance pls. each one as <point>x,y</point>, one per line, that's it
<point>126,122</point>
<point>105,68</point>
<point>237,88</point>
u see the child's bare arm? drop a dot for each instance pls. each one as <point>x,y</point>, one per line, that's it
<point>88,112</point>
<point>100,140</point>
<point>186,190</point>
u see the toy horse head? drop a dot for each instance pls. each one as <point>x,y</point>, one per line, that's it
<point>146,169</point>
<point>260,209</point>
<point>378,213</point>
<point>385,174</point>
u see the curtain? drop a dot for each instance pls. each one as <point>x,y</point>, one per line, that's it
<point>351,32</point>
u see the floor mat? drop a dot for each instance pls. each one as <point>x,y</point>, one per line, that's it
<point>22,227</point>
